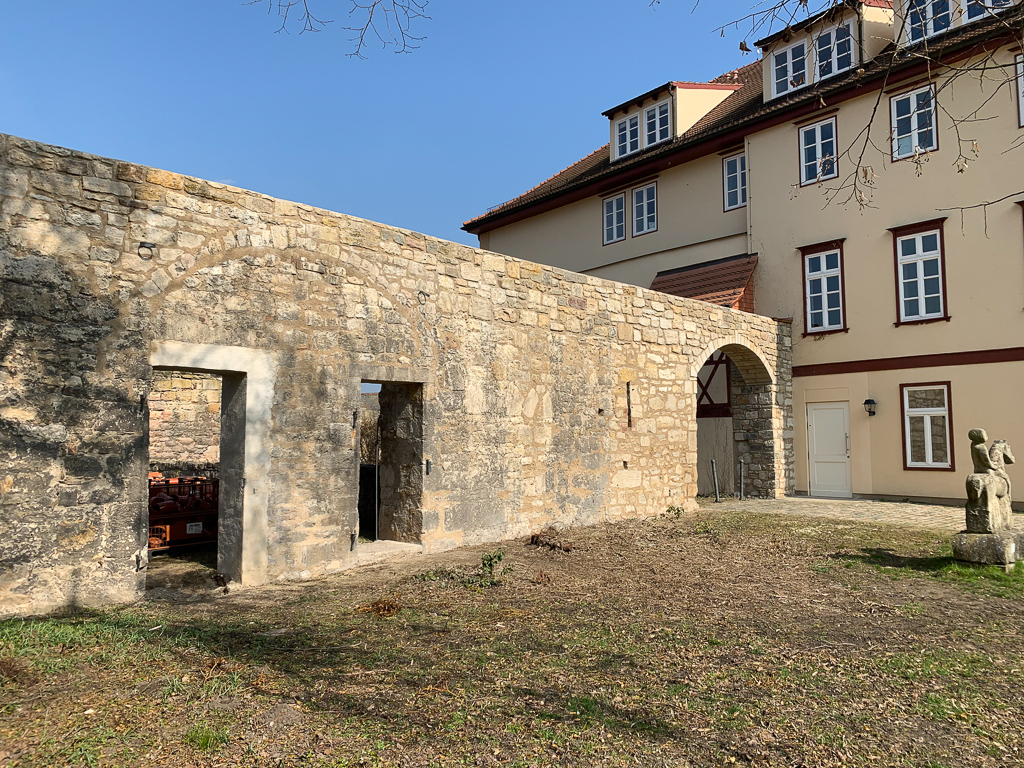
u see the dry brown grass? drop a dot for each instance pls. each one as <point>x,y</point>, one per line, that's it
<point>725,638</point>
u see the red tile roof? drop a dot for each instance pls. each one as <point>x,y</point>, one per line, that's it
<point>718,282</point>
<point>599,161</point>
<point>741,112</point>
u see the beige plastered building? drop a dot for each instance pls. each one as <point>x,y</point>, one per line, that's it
<point>838,181</point>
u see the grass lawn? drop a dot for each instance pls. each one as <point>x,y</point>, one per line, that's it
<point>716,639</point>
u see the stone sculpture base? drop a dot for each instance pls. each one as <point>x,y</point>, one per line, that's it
<point>1003,548</point>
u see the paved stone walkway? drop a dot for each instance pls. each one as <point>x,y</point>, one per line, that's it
<point>860,510</point>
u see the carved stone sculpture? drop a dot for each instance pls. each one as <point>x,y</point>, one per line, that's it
<point>988,489</point>
<point>990,536</point>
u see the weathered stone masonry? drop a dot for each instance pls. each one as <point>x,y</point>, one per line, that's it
<point>184,421</point>
<point>513,377</point>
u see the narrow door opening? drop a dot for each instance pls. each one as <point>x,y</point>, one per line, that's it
<point>184,478</point>
<point>716,448</point>
<point>197,439</point>
<point>391,462</point>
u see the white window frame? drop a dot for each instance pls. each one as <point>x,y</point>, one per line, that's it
<point>927,414</point>
<point>662,116</point>
<point>1020,89</point>
<point>987,8</point>
<point>833,58</point>
<point>645,209</point>
<point>919,257</point>
<point>789,76</point>
<point>819,152</point>
<point>916,128</point>
<point>613,218</point>
<point>741,181</point>
<point>632,132</point>
<point>625,142</point>
<point>823,274</point>
<point>918,32</point>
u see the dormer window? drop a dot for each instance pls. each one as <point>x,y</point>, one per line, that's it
<point>790,68</point>
<point>628,133</point>
<point>834,51</point>
<point>927,17</point>
<point>978,8</point>
<point>643,129</point>
<point>657,123</point>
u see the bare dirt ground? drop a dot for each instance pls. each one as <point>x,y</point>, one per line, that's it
<point>722,638</point>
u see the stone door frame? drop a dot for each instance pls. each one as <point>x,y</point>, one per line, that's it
<point>248,377</point>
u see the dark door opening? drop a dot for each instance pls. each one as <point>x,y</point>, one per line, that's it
<point>391,462</point>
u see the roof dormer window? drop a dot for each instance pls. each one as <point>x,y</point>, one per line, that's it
<point>657,120</point>
<point>978,8</point>
<point>627,132</point>
<point>927,17</point>
<point>643,129</point>
<point>790,68</point>
<point>834,51</point>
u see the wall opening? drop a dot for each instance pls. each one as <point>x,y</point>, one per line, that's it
<point>716,448</point>
<point>196,477</point>
<point>391,462</point>
<point>736,425</point>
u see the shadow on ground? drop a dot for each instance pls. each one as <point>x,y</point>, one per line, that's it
<point>890,559</point>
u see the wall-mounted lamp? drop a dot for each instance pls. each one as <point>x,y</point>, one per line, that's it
<point>146,250</point>
<point>870,406</point>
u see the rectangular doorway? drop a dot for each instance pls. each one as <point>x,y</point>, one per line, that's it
<point>391,462</point>
<point>828,448</point>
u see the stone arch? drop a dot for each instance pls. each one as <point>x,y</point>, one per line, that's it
<point>752,363</point>
<point>757,448</point>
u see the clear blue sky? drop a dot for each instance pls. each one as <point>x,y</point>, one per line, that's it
<point>500,95</point>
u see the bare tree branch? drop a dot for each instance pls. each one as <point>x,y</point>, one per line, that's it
<point>390,23</point>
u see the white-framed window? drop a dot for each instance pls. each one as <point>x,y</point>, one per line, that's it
<point>919,266</point>
<point>978,8</point>
<point>818,155</point>
<point>926,426</point>
<point>615,219</point>
<point>645,209</point>
<point>1020,90</point>
<point>823,291</point>
<point>928,17</point>
<point>656,122</point>
<point>789,69</point>
<point>913,123</point>
<point>734,181</point>
<point>651,126</point>
<point>833,51</point>
<point>627,136</point>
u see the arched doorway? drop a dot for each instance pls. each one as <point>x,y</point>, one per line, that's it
<point>740,423</point>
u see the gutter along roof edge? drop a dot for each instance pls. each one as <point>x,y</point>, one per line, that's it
<point>732,132</point>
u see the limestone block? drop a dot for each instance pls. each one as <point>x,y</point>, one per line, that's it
<point>991,548</point>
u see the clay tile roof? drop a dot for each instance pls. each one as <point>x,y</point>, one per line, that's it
<point>718,282</point>
<point>745,107</point>
<point>597,163</point>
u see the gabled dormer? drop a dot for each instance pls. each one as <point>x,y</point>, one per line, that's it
<point>662,114</point>
<point>921,19</point>
<point>826,44</point>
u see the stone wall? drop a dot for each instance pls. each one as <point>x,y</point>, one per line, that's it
<point>184,420</point>
<point>544,395</point>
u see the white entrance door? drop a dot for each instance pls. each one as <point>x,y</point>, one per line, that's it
<point>828,446</point>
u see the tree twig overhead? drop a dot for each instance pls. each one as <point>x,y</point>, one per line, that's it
<point>391,23</point>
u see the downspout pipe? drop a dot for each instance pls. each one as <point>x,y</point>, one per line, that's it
<point>860,34</point>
